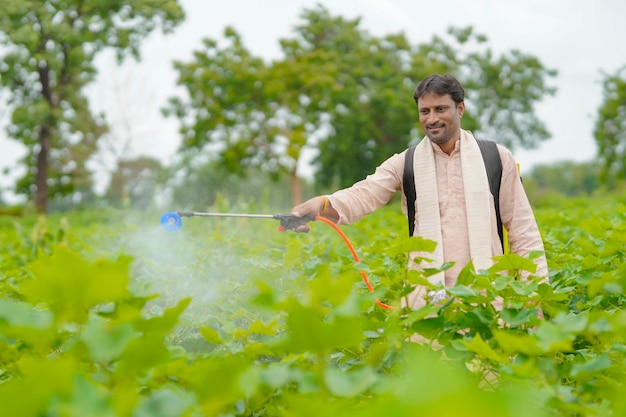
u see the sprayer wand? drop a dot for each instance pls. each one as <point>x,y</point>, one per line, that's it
<point>172,222</point>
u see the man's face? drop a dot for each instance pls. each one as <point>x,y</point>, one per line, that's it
<point>440,117</point>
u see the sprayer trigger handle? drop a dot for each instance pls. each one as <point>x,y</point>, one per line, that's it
<point>290,222</point>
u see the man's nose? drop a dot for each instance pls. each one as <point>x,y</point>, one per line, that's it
<point>432,118</point>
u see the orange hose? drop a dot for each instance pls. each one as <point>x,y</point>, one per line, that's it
<point>355,256</point>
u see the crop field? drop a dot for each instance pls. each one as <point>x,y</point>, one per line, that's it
<point>107,314</point>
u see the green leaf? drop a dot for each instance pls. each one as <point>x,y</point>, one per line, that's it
<point>418,278</point>
<point>429,327</point>
<point>40,380</point>
<point>69,285</point>
<point>293,254</point>
<point>484,315</point>
<point>334,289</point>
<point>552,338</point>
<point>149,349</point>
<point>87,399</point>
<point>105,341</point>
<point>141,354</point>
<point>514,343</point>
<point>412,244</point>
<point>524,288</point>
<point>572,323</point>
<point>349,383</point>
<point>478,346</point>
<point>308,331</point>
<point>423,312</point>
<point>211,335</point>
<point>461,291</point>
<point>17,314</point>
<point>170,401</point>
<point>513,262</point>
<point>216,381</point>
<point>166,322</point>
<point>277,375</point>
<point>467,276</point>
<point>589,261</point>
<point>502,281</point>
<point>517,317</point>
<point>592,366</point>
<point>260,327</point>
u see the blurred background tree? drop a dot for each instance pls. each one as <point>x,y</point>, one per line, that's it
<point>610,128</point>
<point>346,96</point>
<point>48,60</point>
<point>565,178</point>
<point>135,180</point>
<point>322,115</point>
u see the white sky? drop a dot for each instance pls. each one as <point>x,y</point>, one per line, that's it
<point>578,38</point>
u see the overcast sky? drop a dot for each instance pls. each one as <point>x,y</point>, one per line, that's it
<point>578,38</point>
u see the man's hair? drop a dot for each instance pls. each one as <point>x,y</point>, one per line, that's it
<point>440,85</point>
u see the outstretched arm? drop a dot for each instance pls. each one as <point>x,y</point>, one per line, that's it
<point>316,206</point>
<point>517,215</point>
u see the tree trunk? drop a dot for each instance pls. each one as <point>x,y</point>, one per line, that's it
<point>45,142</point>
<point>296,189</point>
<point>123,189</point>
<point>41,177</point>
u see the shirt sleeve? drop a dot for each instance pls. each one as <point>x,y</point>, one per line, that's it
<point>367,195</point>
<point>517,214</point>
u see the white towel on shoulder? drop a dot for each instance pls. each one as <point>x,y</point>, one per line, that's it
<point>477,203</point>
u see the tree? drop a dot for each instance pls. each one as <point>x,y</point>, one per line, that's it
<point>211,184</point>
<point>381,117</point>
<point>129,127</point>
<point>134,182</point>
<point>353,82</point>
<point>51,46</point>
<point>262,115</point>
<point>610,128</point>
<point>238,107</point>
<point>363,85</point>
<point>566,178</point>
<point>502,91</point>
<point>346,94</point>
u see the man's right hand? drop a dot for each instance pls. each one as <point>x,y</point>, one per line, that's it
<point>316,206</point>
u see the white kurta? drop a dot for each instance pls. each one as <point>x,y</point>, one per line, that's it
<point>515,211</point>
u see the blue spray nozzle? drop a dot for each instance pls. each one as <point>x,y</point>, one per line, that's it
<point>171,222</point>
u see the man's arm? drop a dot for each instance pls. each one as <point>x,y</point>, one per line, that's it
<point>350,204</point>
<point>517,214</point>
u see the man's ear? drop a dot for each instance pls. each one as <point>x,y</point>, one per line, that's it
<point>460,108</point>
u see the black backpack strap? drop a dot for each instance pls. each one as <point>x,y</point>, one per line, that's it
<point>408,183</point>
<point>493,166</point>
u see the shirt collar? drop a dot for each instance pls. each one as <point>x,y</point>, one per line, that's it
<point>437,149</point>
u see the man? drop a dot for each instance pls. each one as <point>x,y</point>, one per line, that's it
<point>454,206</point>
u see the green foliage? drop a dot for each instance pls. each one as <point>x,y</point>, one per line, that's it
<point>50,48</point>
<point>208,184</point>
<point>239,107</point>
<point>347,95</point>
<point>353,83</point>
<point>227,102</point>
<point>134,182</point>
<point>105,314</point>
<point>502,91</point>
<point>610,124</point>
<point>564,178</point>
